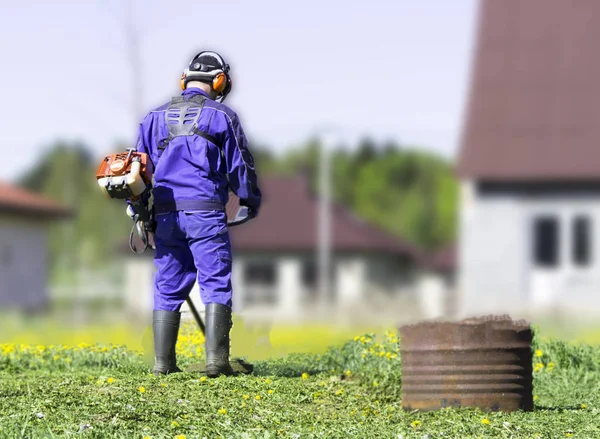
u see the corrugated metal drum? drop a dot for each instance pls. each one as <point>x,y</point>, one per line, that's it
<point>484,362</point>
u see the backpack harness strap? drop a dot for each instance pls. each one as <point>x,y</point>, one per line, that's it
<point>182,120</point>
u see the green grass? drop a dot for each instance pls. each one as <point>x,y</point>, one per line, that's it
<point>350,390</point>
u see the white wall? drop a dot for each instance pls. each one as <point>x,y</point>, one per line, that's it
<point>497,273</point>
<point>433,295</point>
<point>492,253</point>
<point>139,285</point>
<point>23,270</point>
<point>350,281</point>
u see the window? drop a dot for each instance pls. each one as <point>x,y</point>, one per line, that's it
<point>582,240</point>
<point>260,279</point>
<point>545,241</point>
<point>309,274</point>
<point>260,273</point>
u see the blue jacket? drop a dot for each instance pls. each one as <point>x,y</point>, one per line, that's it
<point>191,167</point>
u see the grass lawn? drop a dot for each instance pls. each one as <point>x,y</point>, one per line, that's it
<point>352,389</point>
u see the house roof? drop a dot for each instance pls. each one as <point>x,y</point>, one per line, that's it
<point>18,201</point>
<point>288,221</point>
<point>534,102</point>
<point>441,260</point>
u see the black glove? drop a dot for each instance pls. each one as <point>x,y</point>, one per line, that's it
<point>252,212</point>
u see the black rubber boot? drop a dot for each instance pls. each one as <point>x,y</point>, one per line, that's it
<point>165,325</point>
<point>218,325</point>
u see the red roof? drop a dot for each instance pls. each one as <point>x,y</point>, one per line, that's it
<point>288,221</point>
<point>441,260</point>
<point>534,100</point>
<point>19,201</point>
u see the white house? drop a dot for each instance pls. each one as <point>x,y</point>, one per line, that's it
<point>530,160</point>
<point>275,270</point>
<point>24,218</point>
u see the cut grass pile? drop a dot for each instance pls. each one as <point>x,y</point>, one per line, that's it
<point>352,389</point>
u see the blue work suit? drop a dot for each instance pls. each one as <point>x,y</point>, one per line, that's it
<point>193,244</point>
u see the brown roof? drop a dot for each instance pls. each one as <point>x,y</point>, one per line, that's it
<point>18,201</point>
<point>534,107</point>
<point>288,222</point>
<point>441,260</point>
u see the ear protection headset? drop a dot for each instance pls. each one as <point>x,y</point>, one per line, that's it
<point>215,75</point>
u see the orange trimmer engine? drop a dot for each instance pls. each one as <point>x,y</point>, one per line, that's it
<point>128,176</point>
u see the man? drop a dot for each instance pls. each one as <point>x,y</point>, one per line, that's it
<point>199,152</point>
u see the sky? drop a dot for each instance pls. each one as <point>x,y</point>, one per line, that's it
<point>390,70</point>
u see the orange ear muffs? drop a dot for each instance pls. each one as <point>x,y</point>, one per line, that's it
<point>219,82</point>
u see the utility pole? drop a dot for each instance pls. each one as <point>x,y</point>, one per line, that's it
<point>324,219</point>
<point>135,61</point>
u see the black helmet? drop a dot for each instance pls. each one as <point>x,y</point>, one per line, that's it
<point>210,68</point>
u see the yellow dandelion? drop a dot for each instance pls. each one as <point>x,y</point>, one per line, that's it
<point>539,353</point>
<point>569,434</point>
<point>348,373</point>
<point>583,406</point>
<point>415,424</point>
<point>175,424</point>
<point>340,392</point>
<point>304,376</point>
<point>267,381</point>
<point>147,437</point>
<point>485,421</point>
<point>257,397</point>
<point>202,379</point>
<point>375,383</point>
<point>538,367</point>
<point>535,397</point>
<point>243,404</point>
<point>163,385</point>
<point>356,338</point>
<point>246,396</point>
<point>141,389</point>
<point>270,392</point>
<point>180,436</point>
<point>222,412</point>
<point>110,380</point>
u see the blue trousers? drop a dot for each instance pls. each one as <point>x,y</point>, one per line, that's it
<point>192,246</point>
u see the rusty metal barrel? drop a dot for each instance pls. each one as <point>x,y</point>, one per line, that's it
<point>483,362</point>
